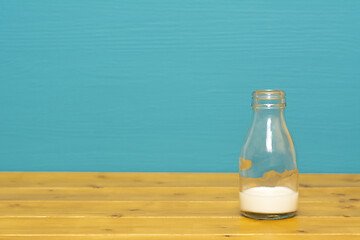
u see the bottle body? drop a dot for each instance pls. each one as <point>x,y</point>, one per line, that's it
<point>268,169</point>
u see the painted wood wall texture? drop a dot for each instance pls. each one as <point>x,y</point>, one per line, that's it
<point>164,85</point>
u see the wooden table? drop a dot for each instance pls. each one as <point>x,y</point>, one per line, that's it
<point>167,206</point>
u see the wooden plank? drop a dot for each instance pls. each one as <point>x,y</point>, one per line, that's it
<point>189,226</point>
<point>192,237</point>
<point>329,180</point>
<point>86,179</point>
<point>139,209</point>
<point>121,194</point>
<point>71,179</point>
<point>165,194</point>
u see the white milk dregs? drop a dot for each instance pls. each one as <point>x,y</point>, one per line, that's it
<point>269,200</point>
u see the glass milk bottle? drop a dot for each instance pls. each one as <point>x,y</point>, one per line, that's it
<point>268,171</point>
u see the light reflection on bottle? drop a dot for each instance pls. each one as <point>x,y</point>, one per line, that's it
<point>268,135</point>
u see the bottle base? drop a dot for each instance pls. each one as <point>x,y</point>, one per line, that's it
<point>264,216</point>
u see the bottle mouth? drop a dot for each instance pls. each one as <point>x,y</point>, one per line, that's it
<point>268,99</point>
<point>268,94</point>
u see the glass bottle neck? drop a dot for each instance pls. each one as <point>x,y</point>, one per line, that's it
<point>276,112</point>
<point>268,106</point>
<point>267,117</point>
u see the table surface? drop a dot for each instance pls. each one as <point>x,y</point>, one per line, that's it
<point>167,206</point>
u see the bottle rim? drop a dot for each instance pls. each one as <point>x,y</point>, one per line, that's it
<point>268,94</point>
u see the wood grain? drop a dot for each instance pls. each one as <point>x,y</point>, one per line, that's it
<point>194,237</point>
<point>93,179</point>
<point>136,206</point>
<point>179,237</point>
<point>165,194</point>
<point>139,209</point>
<point>187,226</point>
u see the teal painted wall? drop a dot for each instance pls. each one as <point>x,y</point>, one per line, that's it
<point>164,85</point>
